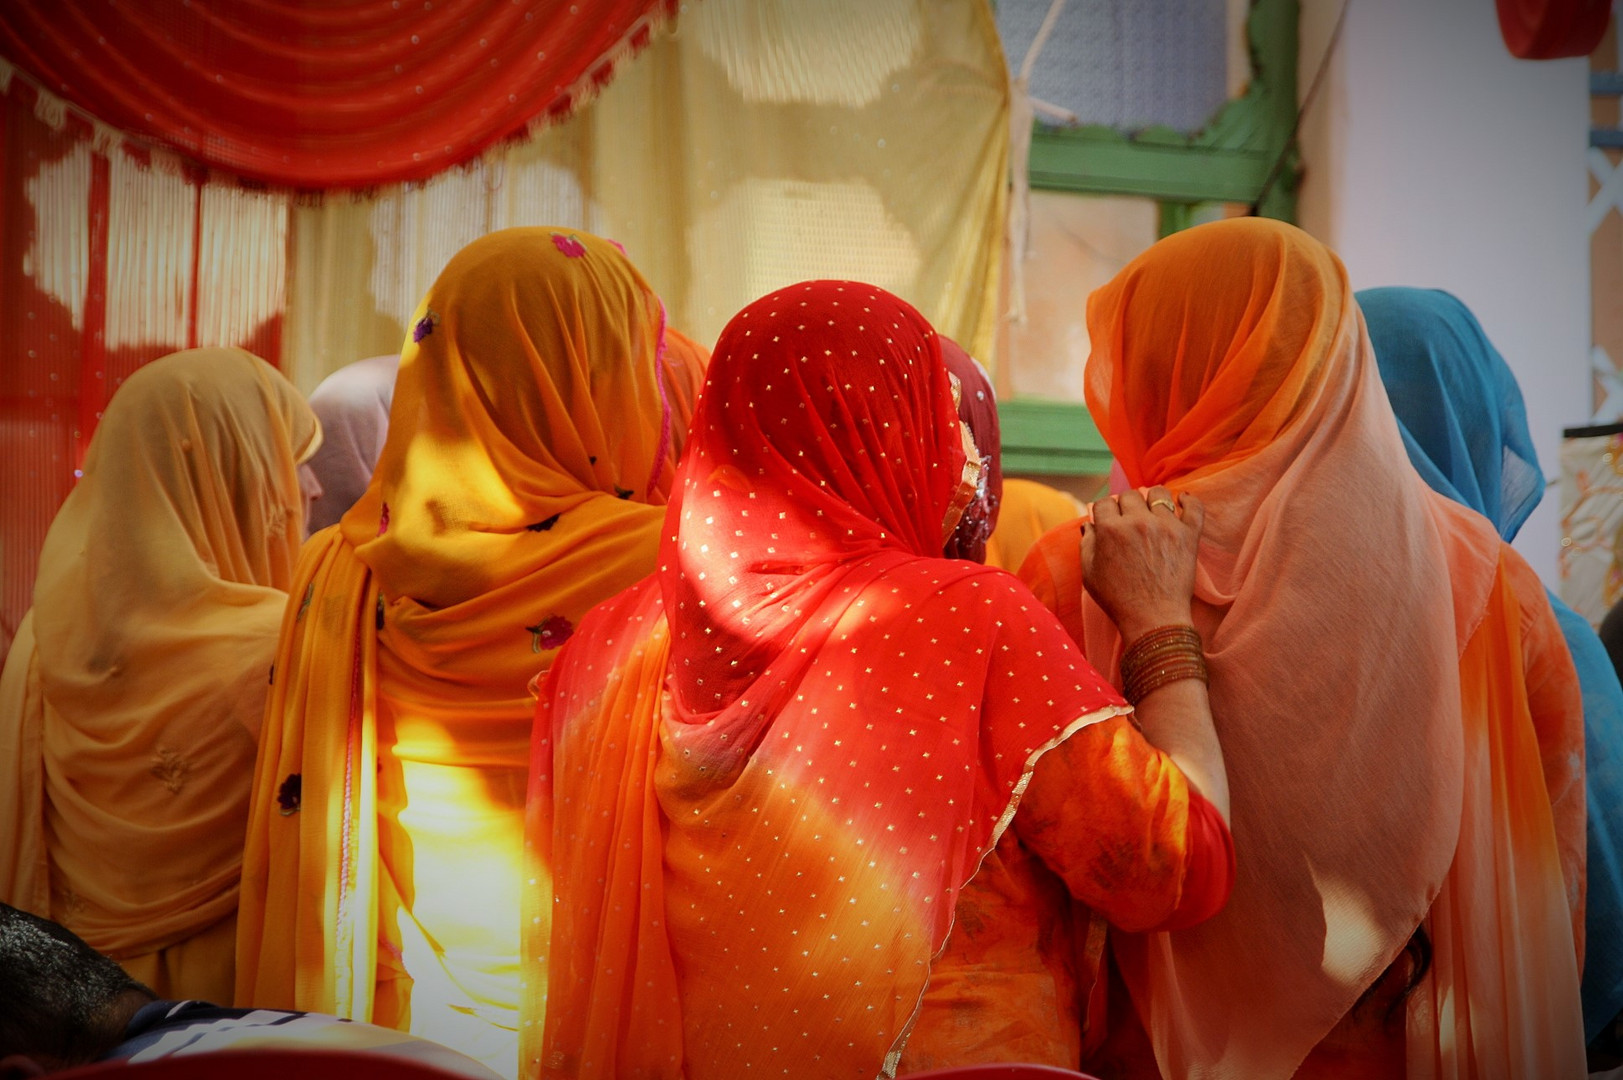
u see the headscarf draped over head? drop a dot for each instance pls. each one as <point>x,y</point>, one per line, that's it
<point>523,482</point>
<point>977,408</point>
<point>1321,568</point>
<point>528,387</point>
<point>161,585</point>
<point>761,787</point>
<point>1457,402</point>
<point>353,406</point>
<point>1465,427</point>
<point>857,478</point>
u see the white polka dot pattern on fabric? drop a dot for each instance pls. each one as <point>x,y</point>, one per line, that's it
<point>815,730</point>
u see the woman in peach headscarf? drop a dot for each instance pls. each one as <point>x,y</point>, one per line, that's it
<point>522,482</point>
<point>771,778</point>
<point>1363,635</point>
<point>129,705</point>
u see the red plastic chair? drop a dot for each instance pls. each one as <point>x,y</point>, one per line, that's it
<point>261,1064</point>
<point>1000,1071</point>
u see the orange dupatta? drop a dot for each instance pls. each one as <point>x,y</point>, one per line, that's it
<point>762,775</point>
<point>1335,613</point>
<point>129,704</point>
<point>1502,998</point>
<point>522,483</point>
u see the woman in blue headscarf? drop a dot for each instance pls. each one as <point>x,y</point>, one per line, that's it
<point>1465,428</point>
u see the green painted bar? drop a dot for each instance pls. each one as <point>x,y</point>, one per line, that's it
<point>1052,437</point>
<point>1111,165</point>
<point>1053,463</point>
<point>1173,217</point>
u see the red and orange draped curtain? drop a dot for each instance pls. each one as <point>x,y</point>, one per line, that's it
<point>321,95</point>
<point>153,150</point>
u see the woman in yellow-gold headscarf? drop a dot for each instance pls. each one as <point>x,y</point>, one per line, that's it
<point>131,697</point>
<point>523,480</point>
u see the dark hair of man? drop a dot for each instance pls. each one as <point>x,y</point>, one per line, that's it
<point>58,996</point>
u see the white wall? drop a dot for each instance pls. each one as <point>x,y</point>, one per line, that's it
<point>1436,159</point>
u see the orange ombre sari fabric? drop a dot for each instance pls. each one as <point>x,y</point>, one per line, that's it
<point>1502,997</point>
<point>762,777</point>
<point>1231,361</point>
<point>522,483</point>
<point>129,704</point>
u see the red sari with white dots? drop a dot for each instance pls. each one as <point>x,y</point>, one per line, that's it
<point>761,777</point>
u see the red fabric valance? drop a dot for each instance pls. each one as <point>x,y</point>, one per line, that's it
<point>324,93</point>
<point>1549,29</point>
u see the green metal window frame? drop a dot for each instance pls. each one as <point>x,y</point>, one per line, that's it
<point>1230,160</point>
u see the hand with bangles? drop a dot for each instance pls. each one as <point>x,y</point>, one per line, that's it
<point>1138,564</point>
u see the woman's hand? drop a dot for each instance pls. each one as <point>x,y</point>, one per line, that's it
<point>1138,559</point>
<point>1138,564</point>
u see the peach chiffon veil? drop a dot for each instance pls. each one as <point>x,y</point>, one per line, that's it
<point>1230,362</point>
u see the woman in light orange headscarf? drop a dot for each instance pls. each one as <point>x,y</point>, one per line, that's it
<point>772,778</point>
<point>129,705</point>
<point>1364,638</point>
<point>522,482</point>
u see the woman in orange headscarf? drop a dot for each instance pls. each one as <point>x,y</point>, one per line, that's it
<point>770,778</point>
<point>131,699</point>
<point>1365,643</point>
<point>522,482</point>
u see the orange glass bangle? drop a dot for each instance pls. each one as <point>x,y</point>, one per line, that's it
<point>1149,680</point>
<point>1164,655</point>
<point>1141,658</point>
<point>1163,640</point>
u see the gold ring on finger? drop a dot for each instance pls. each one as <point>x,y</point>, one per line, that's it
<point>1168,503</point>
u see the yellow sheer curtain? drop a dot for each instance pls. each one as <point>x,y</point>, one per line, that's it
<point>761,143</point>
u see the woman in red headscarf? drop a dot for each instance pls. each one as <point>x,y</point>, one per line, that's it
<point>767,781</point>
